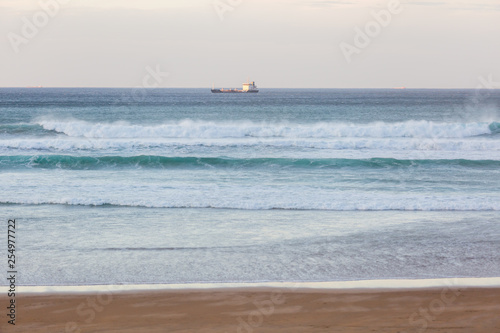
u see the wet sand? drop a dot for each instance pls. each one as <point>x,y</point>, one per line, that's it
<point>458,310</point>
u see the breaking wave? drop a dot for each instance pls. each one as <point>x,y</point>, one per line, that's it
<point>207,129</point>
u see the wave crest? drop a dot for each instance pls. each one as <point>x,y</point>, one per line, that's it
<point>209,129</point>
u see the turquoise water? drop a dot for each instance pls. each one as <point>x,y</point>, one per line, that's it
<point>180,185</point>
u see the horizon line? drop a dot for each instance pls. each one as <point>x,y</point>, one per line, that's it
<point>153,88</point>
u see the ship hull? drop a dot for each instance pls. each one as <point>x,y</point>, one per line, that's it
<point>232,91</point>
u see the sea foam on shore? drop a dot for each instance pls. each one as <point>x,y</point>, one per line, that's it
<point>360,284</point>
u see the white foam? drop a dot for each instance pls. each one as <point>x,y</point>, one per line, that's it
<point>403,148</point>
<point>290,286</point>
<point>210,129</point>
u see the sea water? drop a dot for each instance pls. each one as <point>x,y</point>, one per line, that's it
<point>108,186</point>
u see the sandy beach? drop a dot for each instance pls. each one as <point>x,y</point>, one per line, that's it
<point>260,310</point>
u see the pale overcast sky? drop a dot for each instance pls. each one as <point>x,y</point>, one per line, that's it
<point>277,43</point>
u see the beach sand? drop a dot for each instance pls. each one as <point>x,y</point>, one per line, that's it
<point>260,310</point>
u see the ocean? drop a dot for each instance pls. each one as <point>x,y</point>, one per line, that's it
<point>161,186</point>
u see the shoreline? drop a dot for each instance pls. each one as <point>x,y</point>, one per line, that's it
<point>382,284</point>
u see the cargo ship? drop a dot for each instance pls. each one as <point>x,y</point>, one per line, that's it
<point>248,87</point>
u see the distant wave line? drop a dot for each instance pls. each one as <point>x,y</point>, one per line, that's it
<point>166,248</point>
<point>387,204</point>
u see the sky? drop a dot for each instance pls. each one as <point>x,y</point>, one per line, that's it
<point>277,43</point>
